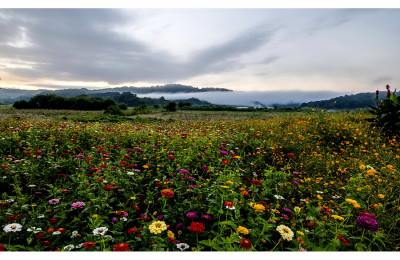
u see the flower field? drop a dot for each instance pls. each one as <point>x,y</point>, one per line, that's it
<point>296,182</point>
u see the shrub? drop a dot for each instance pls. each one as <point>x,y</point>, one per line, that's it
<point>387,113</point>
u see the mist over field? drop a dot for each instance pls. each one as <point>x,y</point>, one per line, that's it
<point>252,98</point>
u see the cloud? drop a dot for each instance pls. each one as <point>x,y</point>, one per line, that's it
<point>382,80</point>
<point>81,44</point>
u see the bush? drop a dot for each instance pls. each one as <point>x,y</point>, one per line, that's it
<point>113,110</point>
<point>171,107</point>
<point>387,113</point>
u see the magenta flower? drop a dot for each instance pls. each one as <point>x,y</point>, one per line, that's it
<point>191,215</point>
<point>76,205</point>
<point>54,201</point>
<point>223,153</point>
<point>367,223</point>
<point>80,156</point>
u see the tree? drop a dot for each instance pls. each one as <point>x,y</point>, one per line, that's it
<point>171,106</point>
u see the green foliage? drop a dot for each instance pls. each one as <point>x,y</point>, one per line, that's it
<point>387,114</point>
<point>171,106</point>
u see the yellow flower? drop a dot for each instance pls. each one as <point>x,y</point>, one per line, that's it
<point>381,196</point>
<point>229,182</point>
<point>34,205</point>
<point>225,187</point>
<point>157,227</point>
<point>263,240</point>
<point>95,216</point>
<point>258,207</point>
<point>154,213</point>
<point>337,217</point>
<point>145,166</point>
<point>362,167</point>
<point>133,198</point>
<point>297,210</point>
<point>170,234</point>
<point>243,230</point>
<point>179,232</point>
<point>300,233</point>
<point>319,197</point>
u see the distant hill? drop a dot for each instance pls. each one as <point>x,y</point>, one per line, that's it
<point>9,96</point>
<point>360,100</point>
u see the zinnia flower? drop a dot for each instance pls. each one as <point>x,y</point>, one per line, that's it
<point>76,205</point>
<point>191,215</point>
<point>13,227</point>
<point>89,245</point>
<point>100,231</point>
<point>157,227</point>
<point>285,232</point>
<point>245,243</point>
<point>121,247</point>
<point>243,230</point>
<point>337,217</point>
<point>197,227</point>
<point>167,193</point>
<point>182,246</point>
<point>367,223</point>
<point>54,201</point>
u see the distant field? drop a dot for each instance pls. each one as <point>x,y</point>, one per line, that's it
<point>201,181</point>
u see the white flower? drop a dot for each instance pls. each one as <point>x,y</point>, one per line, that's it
<point>285,232</point>
<point>182,246</point>
<point>41,216</point>
<point>34,230</point>
<point>55,233</point>
<point>100,231</point>
<point>80,245</point>
<point>279,197</point>
<point>74,234</point>
<point>335,197</point>
<point>319,192</point>
<point>32,185</point>
<point>13,227</point>
<point>130,173</point>
<point>10,200</point>
<point>69,247</point>
<point>124,219</point>
<point>231,208</point>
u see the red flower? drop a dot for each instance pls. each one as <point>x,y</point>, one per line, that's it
<point>245,243</point>
<point>170,156</point>
<point>290,155</point>
<point>197,227</point>
<point>121,247</point>
<point>2,248</point>
<point>168,193</point>
<point>3,204</point>
<point>4,166</point>
<point>300,240</point>
<point>62,230</point>
<point>39,235</point>
<point>108,187</point>
<point>45,243</point>
<point>50,230</point>
<point>342,240</point>
<point>53,220</point>
<point>228,204</point>
<point>132,230</point>
<point>89,245</point>
<point>226,162</point>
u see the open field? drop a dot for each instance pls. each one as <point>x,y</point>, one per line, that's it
<point>220,181</point>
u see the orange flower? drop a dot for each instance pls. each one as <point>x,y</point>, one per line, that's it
<point>167,193</point>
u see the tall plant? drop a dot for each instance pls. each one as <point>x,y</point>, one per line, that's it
<point>387,113</point>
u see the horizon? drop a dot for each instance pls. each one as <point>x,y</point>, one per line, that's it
<point>263,49</point>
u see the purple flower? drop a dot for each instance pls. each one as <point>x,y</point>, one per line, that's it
<point>287,210</point>
<point>192,186</point>
<point>296,173</point>
<point>367,223</point>
<point>159,217</point>
<point>76,205</point>
<point>179,225</point>
<point>80,156</point>
<point>283,169</point>
<point>205,167</point>
<point>206,217</point>
<point>54,201</point>
<point>223,153</point>
<point>183,171</point>
<point>191,215</point>
<point>296,182</point>
<point>113,220</point>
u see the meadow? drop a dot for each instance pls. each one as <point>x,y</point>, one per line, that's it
<point>197,181</point>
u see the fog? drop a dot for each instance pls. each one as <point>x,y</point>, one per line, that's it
<point>252,98</point>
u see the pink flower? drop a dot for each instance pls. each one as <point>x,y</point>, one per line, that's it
<point>54,201</point>
<point>302,249</point>
<point>80,156</point>
<point>76,205</point>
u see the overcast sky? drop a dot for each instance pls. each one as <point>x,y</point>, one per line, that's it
<point>346,50</point>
